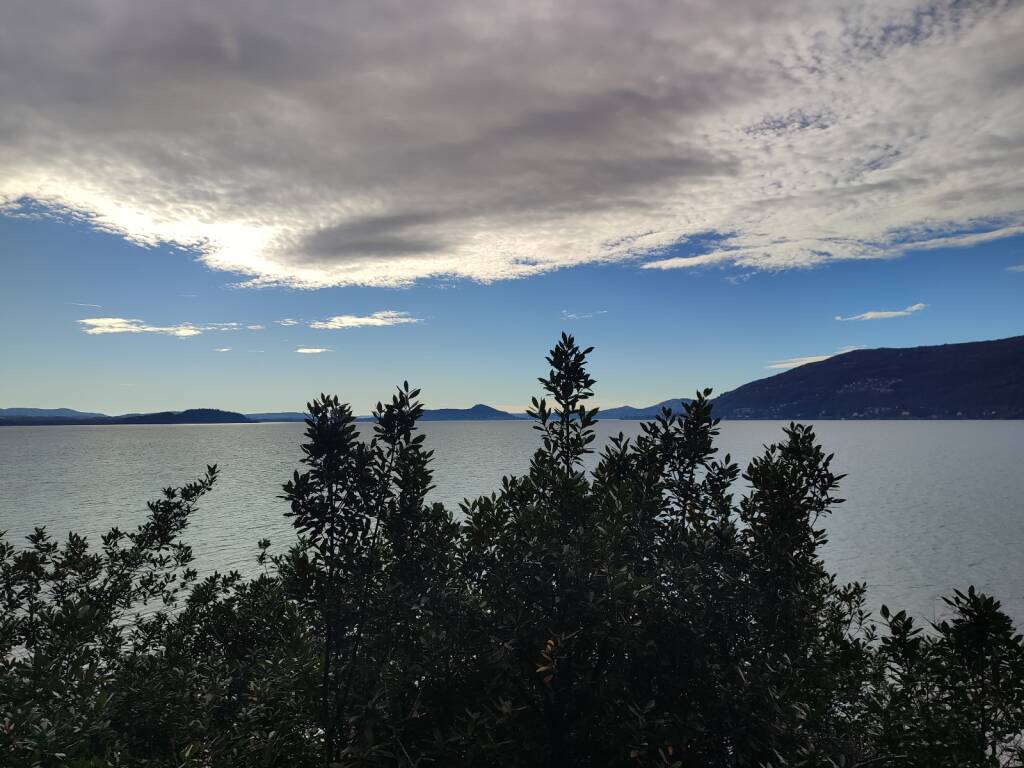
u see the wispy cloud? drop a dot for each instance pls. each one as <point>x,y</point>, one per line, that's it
<point>222,349</point>
<point>81,304</point>
<point>884,314</point>
<point>815,133</point>
<point>796,362</point>
<point>287,322</point>
<point>690,262</point>
<point>99,325</point>
<point>742,277</point>
<point>566,314</point>
<point>385,317</point>
<point>1016,268</point>
<point>255,327</point>
<point>312,350</point>
<point>95,326</point>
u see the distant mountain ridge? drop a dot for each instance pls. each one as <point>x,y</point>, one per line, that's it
<point>478,412</point>
<point>971,380</point>
<point>276,416</point>
<point>48,413</point>
<point>628,412</point>
<point>50,417</point>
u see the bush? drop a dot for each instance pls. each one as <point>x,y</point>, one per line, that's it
<point>639,615</point>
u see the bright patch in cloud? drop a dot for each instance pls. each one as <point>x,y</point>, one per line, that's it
<point>287,322</point>
<point>255,327</point>
<point>386,317</point>
<point>311,350</point>
<point>881,314</point>
<point>222,349</point>
<point>796,362</point>
<point>582,315</point>
<point>345,144</point>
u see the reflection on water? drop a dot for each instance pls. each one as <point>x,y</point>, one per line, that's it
<point>931,505</point>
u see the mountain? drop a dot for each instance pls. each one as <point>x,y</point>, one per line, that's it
<point>478,412</point>
<point>628,412</point>
<point>47,413</point>
<point>975,380</point>
<point>190,416</point>
<point>276,416</point>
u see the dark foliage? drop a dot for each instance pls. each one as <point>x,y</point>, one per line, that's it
<point>637,615</point>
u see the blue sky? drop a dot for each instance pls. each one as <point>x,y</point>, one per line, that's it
<point>434,190</point>
<point>658,333</point>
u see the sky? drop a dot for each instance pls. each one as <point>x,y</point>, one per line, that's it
<point>242,203</point>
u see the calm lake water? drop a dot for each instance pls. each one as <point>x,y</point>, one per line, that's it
<point>931,505</point>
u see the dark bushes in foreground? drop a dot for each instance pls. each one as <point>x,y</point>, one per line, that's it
<point>638,616</point>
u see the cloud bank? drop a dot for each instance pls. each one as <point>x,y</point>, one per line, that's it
<point>882,314</point>
<point>331,143</point>
<point>312,350</point>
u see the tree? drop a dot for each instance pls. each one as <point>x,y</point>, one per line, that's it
<point>371,567</point>
<point>71,619</point>
<point>646,612</point>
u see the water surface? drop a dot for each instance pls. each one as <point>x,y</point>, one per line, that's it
<point>931,505</point>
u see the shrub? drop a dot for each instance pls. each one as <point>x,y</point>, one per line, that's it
<point>637,615</point>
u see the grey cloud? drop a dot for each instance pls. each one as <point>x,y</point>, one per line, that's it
<point>795,120</point>
<point>328,143</point>
<point>384,235</point>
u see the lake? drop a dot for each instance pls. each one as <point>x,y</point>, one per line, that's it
<point>931,505</point>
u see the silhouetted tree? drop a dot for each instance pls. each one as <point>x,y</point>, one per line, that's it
<point>652,612</point>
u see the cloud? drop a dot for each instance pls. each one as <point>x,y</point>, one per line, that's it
<point>100,325</point>
<point>287,322</point>
<point>79,304</point>
<point>795,362</point>
<point>255,327</point>
<point>311,350</point>
<point>737,279</point>
<point>689,262</point>
<point>222,349</point>
<point>344,144</point>
<point>567,315</point>
<point>1016,268</point>
<point>881,314</point>
<point>385,317</point>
